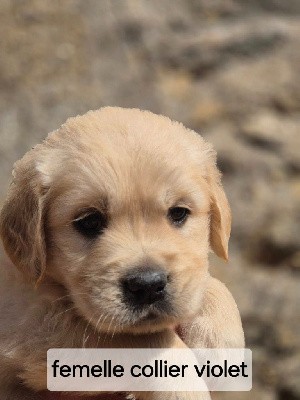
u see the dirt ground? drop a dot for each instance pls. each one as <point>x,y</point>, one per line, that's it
<point>228,69</point>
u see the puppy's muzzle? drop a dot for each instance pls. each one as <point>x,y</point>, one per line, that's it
<point>145,286</point>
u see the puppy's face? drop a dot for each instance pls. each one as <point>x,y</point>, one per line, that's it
<point>128,203</point>
<point>131,242</point>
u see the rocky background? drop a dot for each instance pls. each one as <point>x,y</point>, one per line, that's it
<point>230,69</point>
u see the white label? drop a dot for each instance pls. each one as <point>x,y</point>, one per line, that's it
<point>128,370</point>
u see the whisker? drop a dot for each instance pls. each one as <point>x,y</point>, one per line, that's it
<point>102,323</point>
<point>109,326</point>
<point>68,295</point>
<point>74,334</point>
<point>99,319</point>
<point>84,334</point>
<point>114,331</point>
<point>63,312</point>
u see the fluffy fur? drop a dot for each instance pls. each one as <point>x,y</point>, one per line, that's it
<point>132,166</point>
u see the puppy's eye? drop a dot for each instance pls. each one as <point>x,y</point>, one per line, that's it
<point>177,215</point>
<point>91,224</point>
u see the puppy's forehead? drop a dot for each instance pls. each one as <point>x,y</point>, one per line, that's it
<point>123,154</point>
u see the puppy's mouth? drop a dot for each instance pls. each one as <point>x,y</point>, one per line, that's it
<point>153,318</point>
<point>157,315</point>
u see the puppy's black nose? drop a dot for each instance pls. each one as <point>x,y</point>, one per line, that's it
<point>144,285</point>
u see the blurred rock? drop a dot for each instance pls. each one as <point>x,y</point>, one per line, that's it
<point>267,129</point>
<point>277,133</point>
<point>295,261</point>
<point>214,45</point>
<point>274,6</point>
<point>279,242</point>
<point>289,384</point>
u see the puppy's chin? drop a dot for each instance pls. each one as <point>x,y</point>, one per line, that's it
<point>151,320</point>
<point>148,324</point>
<point>147,320</point>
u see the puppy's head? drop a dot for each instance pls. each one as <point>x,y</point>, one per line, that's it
<point>119,207</point>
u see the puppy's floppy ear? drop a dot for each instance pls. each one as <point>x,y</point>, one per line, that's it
<point>220,223</point>
<point>21,219</point>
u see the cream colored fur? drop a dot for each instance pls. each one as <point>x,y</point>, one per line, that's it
<point>133,166</point>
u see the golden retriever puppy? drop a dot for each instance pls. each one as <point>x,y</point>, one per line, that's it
<point>110,221</point>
